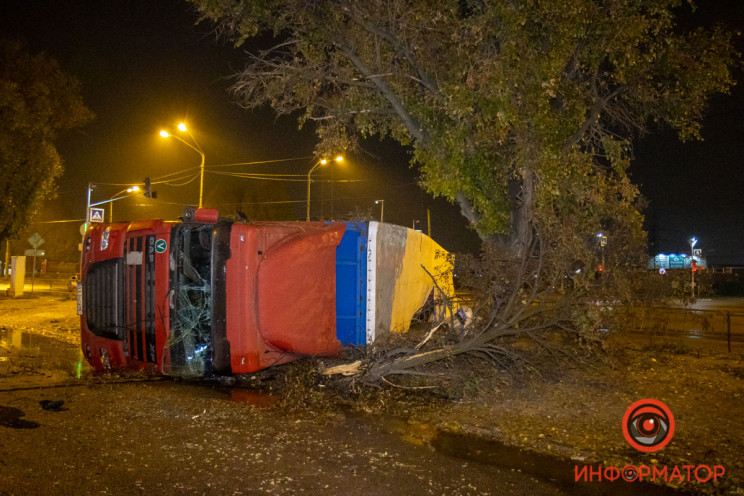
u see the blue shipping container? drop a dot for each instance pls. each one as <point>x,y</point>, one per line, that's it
<point>351,285</point>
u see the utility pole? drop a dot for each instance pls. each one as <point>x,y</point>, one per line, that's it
<point>7,257</point>
<point>381,203</point>
<point>87,205</point>
<point>693,241</point>
<point>428,222</point>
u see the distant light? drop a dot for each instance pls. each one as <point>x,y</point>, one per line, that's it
<point>323,161</point>
<point>164,134</point>
<point>599,235</point>
<point>339,159</point>
<point>133,189</point>
<point>182,127</point>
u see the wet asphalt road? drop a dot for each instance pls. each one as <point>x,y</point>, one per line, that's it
<point>167,437</point>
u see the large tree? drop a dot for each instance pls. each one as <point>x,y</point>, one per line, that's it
<point>37,102</point>
<point>521,111</point>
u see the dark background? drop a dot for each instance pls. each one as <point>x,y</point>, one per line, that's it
<point>146,65</point>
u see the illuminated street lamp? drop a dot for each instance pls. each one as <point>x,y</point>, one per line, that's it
<point>319,163</point>
<point>602,243</point>
<point>381,203</point>
<point>130,190</point>
<point>182,127</point>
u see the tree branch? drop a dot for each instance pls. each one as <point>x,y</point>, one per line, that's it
<point>423,78</point>
<point>408,120</point>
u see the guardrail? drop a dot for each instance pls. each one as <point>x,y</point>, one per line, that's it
<point>46,284</point>
<point>685,322</point>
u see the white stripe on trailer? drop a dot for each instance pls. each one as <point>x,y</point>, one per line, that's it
<point>371,280</point>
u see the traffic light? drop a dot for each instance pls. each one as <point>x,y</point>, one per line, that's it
<point>149,193</point>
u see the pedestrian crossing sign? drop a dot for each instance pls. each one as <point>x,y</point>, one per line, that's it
<point>96,214</point>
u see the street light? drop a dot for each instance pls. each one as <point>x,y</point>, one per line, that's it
<point>182,127</point>
<point>381,203</point>
<point>319,163</point>
<point>602,243</point>
<point>693,241</point>
<point>131,189</point>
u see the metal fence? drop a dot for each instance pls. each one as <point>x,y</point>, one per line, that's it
<point>720,325</point>
<point>44,284</point>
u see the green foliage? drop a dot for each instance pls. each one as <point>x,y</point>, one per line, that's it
<point>523,112</point>
<point>37,102</point>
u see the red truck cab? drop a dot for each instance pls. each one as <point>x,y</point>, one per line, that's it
<point>205,296</point>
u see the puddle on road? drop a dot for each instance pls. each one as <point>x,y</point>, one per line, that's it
<point>39,352</point>
<point>259,399</point>
<point>28,340</point>
<point>475,449</point>
<point>546,467</point>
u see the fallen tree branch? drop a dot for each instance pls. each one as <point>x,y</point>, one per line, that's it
<point>346,369</point>
<point>406,387</point>
<point>428,335</point>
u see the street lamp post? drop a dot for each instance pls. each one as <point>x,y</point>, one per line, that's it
<point>182,127</point>
<point>87,205</point>
<point>318,164</point>
<point>381,203</point>
<point>131,189</point>
<point>693,241</point>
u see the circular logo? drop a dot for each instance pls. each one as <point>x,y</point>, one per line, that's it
<point>630,473</point>
<point>648,425</point>
<point>160,246</point>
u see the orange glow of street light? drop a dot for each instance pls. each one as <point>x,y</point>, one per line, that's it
<point>320,163</point>
<point>194,145</point>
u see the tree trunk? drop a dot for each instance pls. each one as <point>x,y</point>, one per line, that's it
<point>523,215</point>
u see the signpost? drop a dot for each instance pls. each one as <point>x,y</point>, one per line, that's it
<point>35,241</point>
<point>95,215</point>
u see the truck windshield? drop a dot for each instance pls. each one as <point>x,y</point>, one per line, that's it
<point>190,339</point>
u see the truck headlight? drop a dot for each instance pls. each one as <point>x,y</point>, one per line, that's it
<point>105,238</point>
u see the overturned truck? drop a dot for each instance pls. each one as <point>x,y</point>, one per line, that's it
<point>205,296</point>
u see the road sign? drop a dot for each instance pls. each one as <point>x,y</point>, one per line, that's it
<point>34,252</point>
<point>36,240</point>
<point>96,214</point>
<point>662,271</point>
<point>161,245</point>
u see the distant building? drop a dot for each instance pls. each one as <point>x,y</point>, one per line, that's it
<point>674,261</point>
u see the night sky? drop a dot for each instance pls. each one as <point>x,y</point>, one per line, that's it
<point>146,65</point>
